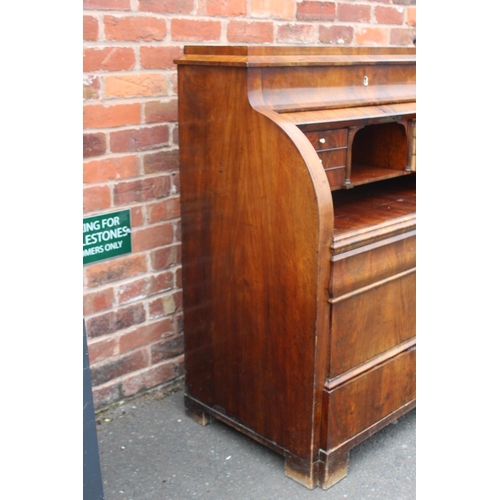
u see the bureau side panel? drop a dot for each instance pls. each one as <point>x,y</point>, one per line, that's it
<point>252,240</point>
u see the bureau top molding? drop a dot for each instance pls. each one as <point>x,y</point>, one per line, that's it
<point>262,56</point>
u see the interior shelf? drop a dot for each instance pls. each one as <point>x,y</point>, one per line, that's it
<point>363,174</point>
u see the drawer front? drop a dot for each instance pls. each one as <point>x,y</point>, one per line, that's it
<point>333,162</point>
<point>336,177</point>
<point>327,139</point>
<point>332,159</point>
<point>372,321</point>
<point>366,399</point>
<point>371,263</point>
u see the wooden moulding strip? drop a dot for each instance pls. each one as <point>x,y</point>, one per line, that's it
<point>257,61</point>
<point>372,363</point>
<point>351,240</point>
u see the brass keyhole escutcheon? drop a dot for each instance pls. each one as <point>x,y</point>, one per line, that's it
<point>365,81</point>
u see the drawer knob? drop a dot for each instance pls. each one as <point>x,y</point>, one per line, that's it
<point>322,140</point>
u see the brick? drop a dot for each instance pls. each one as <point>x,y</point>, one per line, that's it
<point>279,9</point>
<point>141,139</point>
<point>94,144</point>
<point>173,84</point>
<point>181,367</point>
<point>136,85</point>
<point>112,270</point>
<point>175,135</point>
<point>389,15</point>
<point>108,59</point>
<point>134,29</point>
<point>372,36</point>
<point>159,57</point>
<point>166,257</point>
<point>195,30</point>
<point>113,321</point>
<point>162,161</point>
<point>175,183</point>
<point>250,32</point>
<point>167,6</point>
<point>316,11</point>
<point>102,348</point>
<point>131,362</point>
<point>133,291</point>
<point>145,334</point>
<point>105,396</point>
<point>411,16</point>
<point>152,237</point>
<point>161,111</point>
<point>402,36</point>
<point>161,282</point>
<point>126,193</point>
<point>162,306</point>
<point>179,321</point>
<point>90,28</point>
<point>167,349</point>
<point>177,230</point>
<point>353,13</point>
<point>166,305</point>
<point>96,198</point>
<point>223,8</point>
<point>146,287</point>
<point>296,33</point>
<point>108,169</point>
<point>91,87</point>
<point>137,216</point>
<point>99,301</point>
<point>149,378</point>
<point>99,116</point>
<point>164,210</point>
<point>106,4</point>
<point>341,35</point>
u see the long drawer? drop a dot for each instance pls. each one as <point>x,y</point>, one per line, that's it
<point>356,405</point>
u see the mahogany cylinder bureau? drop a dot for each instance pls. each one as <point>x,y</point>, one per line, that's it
<point>297,175</point>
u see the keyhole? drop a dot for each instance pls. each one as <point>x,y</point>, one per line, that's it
<point>365,81</point>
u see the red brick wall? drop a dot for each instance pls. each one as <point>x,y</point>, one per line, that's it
<point>133,303</point>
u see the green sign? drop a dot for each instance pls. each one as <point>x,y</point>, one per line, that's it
<point>106,236</point>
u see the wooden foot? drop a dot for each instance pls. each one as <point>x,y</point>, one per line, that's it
<point>301,470</point>
<point>333,469</point>
<point>196,413</point>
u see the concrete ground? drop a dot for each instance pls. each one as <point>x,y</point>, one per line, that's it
<point>150,450</point>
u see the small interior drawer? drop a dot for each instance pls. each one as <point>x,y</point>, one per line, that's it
<point>327,139</point>
<point>332,159</point>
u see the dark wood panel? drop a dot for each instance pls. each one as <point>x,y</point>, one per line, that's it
<point>368,264</point>
<point>371,320</point>
<point>251,311</point>
<point>367,399</point>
